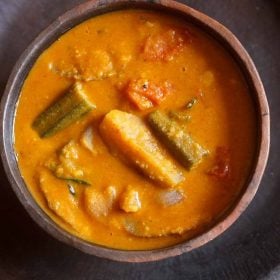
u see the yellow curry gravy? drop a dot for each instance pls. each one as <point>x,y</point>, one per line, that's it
<point>109,55</point>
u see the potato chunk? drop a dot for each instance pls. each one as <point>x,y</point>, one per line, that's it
<point>130,201</point>
<point>129,135</point>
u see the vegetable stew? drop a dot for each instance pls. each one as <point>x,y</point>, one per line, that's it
<point>135,130</point>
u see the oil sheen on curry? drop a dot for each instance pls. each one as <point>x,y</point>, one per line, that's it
<point>135,130</point>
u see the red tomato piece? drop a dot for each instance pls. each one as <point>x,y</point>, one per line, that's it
<point>146,94</point>
<point>166,45</point>
<point>221,169</point>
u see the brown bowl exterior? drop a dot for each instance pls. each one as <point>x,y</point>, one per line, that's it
<point>55,30</point>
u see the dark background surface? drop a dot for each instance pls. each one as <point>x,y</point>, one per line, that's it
<point>250,249</point>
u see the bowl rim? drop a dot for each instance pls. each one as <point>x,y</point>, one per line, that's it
<point>64,23</point>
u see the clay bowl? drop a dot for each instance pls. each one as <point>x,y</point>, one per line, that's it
<point>66,22</point>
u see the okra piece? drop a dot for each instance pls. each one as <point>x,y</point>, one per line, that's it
<point>66,110</point>
<point>129,136</point>
<point>180,143</point>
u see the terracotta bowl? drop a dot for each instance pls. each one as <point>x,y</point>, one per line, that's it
<point>66,22</point>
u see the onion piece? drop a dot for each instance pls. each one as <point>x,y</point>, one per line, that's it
<point>171,197</point>
<point>87,139</point>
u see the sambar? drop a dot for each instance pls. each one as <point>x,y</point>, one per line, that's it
<point>135,186</point>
